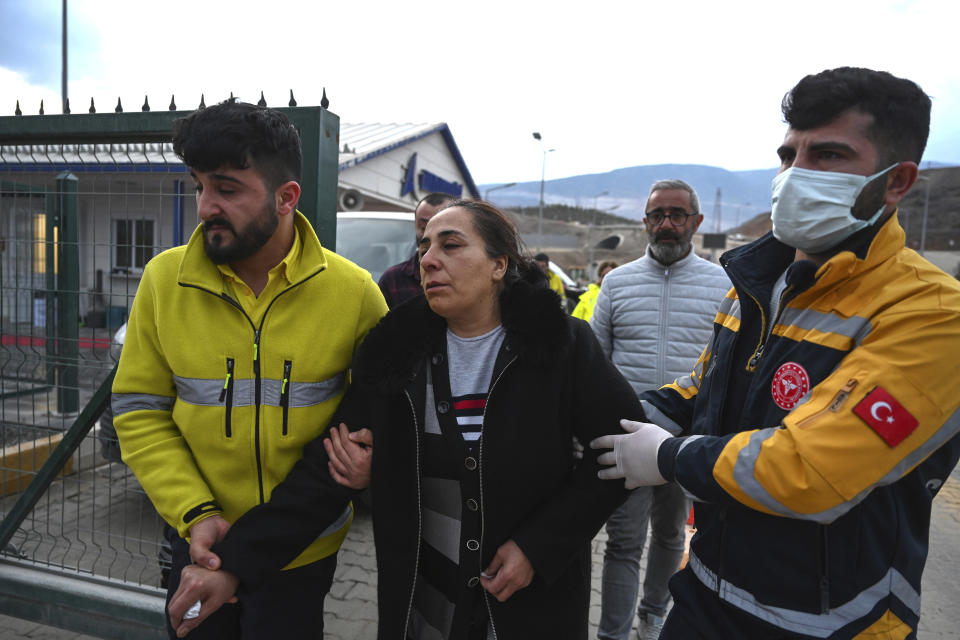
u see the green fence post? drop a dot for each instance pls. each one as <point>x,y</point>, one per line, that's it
<point>319,139</point>
<point>68,294</point>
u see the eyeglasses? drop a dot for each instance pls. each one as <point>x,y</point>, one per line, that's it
<point>677,216</point>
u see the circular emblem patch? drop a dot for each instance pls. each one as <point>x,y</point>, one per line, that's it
<point>790,385</point>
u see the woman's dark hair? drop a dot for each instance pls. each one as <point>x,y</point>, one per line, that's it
<point>900,109</point>
<point>500,238</point>
<point>238,134</point>
<point>604,265</point>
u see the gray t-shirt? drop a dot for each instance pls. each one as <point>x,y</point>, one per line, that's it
<point>470,363</point>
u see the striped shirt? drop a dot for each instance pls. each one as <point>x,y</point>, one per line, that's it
<point>470,364</point>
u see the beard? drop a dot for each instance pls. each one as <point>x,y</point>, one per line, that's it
<point>247,242</point>
<point>669,252</point>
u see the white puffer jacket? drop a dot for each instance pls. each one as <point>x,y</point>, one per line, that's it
<point>653,321</point>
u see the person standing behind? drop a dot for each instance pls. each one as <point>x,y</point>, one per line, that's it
<point>236,356</point>
<point>556,284</point>
<point>653,317</point>
<point>401,282</point>
<point>588,299</point>
<point>824,417</point>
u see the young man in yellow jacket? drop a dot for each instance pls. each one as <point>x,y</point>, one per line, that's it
<point>237,355</point>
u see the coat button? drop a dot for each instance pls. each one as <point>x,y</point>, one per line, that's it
<point>470,464</point>
<point>443,406</point>
<point>473,545</point>
<point>474,581</point>
<point>472,504</point>
<point>437,358</point>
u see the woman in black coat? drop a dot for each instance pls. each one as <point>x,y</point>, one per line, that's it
<point>482,516</point>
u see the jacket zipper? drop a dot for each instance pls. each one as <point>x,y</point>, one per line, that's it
<point>416,564</point>
<point>226,394</point>
<point>483,418</point>
<point>661,346</point>
<point>285,392</point>
<point>834,406</point>
<point>758,353</point>
<point>256,360</point>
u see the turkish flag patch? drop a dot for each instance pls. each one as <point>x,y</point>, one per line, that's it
<point>887,417</point>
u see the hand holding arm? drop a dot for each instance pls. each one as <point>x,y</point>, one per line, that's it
<point>633,455</point>
<point>509,572</point>
<point>204,535</point>
<point>211,588</point>
<point>350,455</point>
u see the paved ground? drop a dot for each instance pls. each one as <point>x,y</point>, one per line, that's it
<point>351,606</point>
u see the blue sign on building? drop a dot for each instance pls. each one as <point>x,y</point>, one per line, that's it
<point>434,183</point>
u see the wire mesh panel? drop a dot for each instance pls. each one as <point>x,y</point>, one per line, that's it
<point>77,225</point>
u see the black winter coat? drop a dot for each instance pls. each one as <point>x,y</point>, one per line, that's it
<point>552,382</point>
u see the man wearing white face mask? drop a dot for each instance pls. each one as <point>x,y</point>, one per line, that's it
<point>824,415</point>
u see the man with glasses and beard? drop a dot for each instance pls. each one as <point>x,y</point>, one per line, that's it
<point>236,355</point>
<point>653,317</point>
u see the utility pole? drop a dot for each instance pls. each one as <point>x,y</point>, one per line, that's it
<point>63,76</point>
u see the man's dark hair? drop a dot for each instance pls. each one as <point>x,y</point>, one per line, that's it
<point>238,135</point>
<point>541,257</point>
<point>900,109</point>
<point>435,199</point>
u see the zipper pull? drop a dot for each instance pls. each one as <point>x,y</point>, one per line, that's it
<point>842,395</point>
<point>755,359</point>
<point>256,352</point>
<point>226,381</point>
<point>285,383</point>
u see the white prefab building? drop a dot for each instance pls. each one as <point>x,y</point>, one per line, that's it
<point>136,200</point>
<point>389,167</point>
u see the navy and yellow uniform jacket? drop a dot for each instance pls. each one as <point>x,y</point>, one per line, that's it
<point>818,438</point>
<point>213,409</point>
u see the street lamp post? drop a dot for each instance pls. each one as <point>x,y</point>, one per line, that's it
<point>486,194</point>
<point>543,175</point>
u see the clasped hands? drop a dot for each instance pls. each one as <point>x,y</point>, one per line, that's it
<point>350,457</point>
<point>633,454</point>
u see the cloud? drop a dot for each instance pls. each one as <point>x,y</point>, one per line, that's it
<point>608,84</point>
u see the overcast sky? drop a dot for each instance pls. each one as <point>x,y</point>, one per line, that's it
<point>608,84</point>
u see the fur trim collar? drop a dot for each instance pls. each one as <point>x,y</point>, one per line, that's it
<point>390,356</point>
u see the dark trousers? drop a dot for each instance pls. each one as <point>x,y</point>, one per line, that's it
<point>288,606</point>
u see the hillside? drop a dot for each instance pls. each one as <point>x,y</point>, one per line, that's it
<point>743,194</point>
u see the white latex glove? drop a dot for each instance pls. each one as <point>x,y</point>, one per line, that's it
<point>634,455</point>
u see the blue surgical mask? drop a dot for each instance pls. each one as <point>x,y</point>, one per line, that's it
<point>812,210</point>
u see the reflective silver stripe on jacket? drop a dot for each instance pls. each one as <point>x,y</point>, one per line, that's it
<point>659,418</point>
<point>126,402</point>
<point>304,394</point>
<point>730,307</point>
<point>743,472</point>
<point>812,624</point>
<point>339,524</point>
<point>855,327</point>
<point>692,380</point>
<point>205,392</point>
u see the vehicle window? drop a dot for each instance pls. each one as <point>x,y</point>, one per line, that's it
<point>375,244</point>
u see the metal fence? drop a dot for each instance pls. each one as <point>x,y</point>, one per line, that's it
<point>85,202</point>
